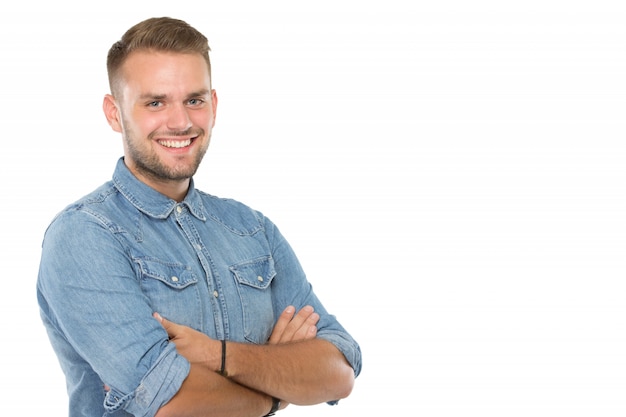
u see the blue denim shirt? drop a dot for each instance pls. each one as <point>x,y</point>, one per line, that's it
<point>125,251</point>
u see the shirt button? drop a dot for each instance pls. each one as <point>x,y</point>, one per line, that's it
<point>215,294</point>
<point>260,278</point>
<point>175,279</point>
<point>179,209</point>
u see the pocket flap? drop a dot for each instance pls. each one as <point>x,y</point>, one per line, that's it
<point>173,274</point>
<point>257,273</point>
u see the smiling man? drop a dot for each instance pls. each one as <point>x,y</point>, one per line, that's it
<point>165,110</point>
<point>160,299</point>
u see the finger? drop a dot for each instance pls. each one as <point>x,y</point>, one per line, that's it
<point>295,325</point>
<point>281,324</point>
<point>167,325</point>
<point>308,330</point>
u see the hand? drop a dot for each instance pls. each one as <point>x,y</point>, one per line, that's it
<point>292,327</point>
<point>195,346</point>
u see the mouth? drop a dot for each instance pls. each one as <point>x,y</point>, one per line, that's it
<point>175,144</point>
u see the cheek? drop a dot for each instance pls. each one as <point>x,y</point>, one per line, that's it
<point>145,123</point>
<point>203,119</point>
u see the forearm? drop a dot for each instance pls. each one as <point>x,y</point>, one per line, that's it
<point>295,367</point>
<point>303,373</point>
<point>205,392</point>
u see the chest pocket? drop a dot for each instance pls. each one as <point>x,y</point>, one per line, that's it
<point>172,289</point>
<point>253,279</point>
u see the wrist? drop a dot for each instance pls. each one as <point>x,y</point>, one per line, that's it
<point>275,407</point>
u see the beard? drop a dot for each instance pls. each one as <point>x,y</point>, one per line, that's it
<point>150,164</point>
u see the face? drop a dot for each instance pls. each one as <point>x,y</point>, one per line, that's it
<point>165,112</point>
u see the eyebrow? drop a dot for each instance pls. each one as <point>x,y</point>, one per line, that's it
<point>151,96</point>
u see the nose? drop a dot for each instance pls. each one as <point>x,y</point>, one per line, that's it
<point>178,118</point>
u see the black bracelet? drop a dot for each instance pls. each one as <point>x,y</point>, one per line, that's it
<point>275,407</point>
<point>223,367</point>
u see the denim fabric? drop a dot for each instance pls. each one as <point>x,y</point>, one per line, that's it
<point>125,251</point>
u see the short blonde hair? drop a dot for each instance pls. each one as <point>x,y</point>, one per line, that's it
<point>157,34</point>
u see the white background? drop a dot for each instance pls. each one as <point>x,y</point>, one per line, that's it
<point>452,175</point>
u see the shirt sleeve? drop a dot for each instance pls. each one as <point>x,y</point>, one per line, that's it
<point>292,287</point>
<point>94,300</point>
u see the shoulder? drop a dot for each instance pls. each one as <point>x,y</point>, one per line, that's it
<point>90,207</point>
<point>233,214</point>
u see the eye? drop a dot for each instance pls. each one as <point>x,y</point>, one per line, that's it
<point>195,101</point>
<point>154,104</point>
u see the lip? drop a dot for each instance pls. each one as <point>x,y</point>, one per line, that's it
<point>176,143</point>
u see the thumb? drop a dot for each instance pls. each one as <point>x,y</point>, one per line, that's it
<point>167,325</point>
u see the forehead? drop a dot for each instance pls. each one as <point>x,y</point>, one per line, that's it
<point>164,73</point>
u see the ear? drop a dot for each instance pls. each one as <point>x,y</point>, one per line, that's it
<point>112,113</point>
<point>214,104</point>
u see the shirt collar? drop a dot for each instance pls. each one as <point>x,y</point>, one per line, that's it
<point>150,201</point>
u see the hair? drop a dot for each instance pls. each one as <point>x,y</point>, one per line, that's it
<point>155,34</point>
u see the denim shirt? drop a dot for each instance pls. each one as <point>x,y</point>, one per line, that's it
<point>125,251</point>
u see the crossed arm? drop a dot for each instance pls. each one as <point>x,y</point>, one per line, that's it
<point>294,366</point>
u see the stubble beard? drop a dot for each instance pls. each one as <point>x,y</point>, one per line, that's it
<point>149,164</point>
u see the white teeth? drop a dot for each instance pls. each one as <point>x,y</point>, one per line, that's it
<point>175,143</point>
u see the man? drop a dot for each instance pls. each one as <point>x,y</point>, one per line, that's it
<point>160,299</point>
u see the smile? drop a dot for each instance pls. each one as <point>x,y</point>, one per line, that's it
<point>175,143</point>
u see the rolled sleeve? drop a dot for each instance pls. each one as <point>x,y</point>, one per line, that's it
<point>158,386</point>
<point>347,346</point>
